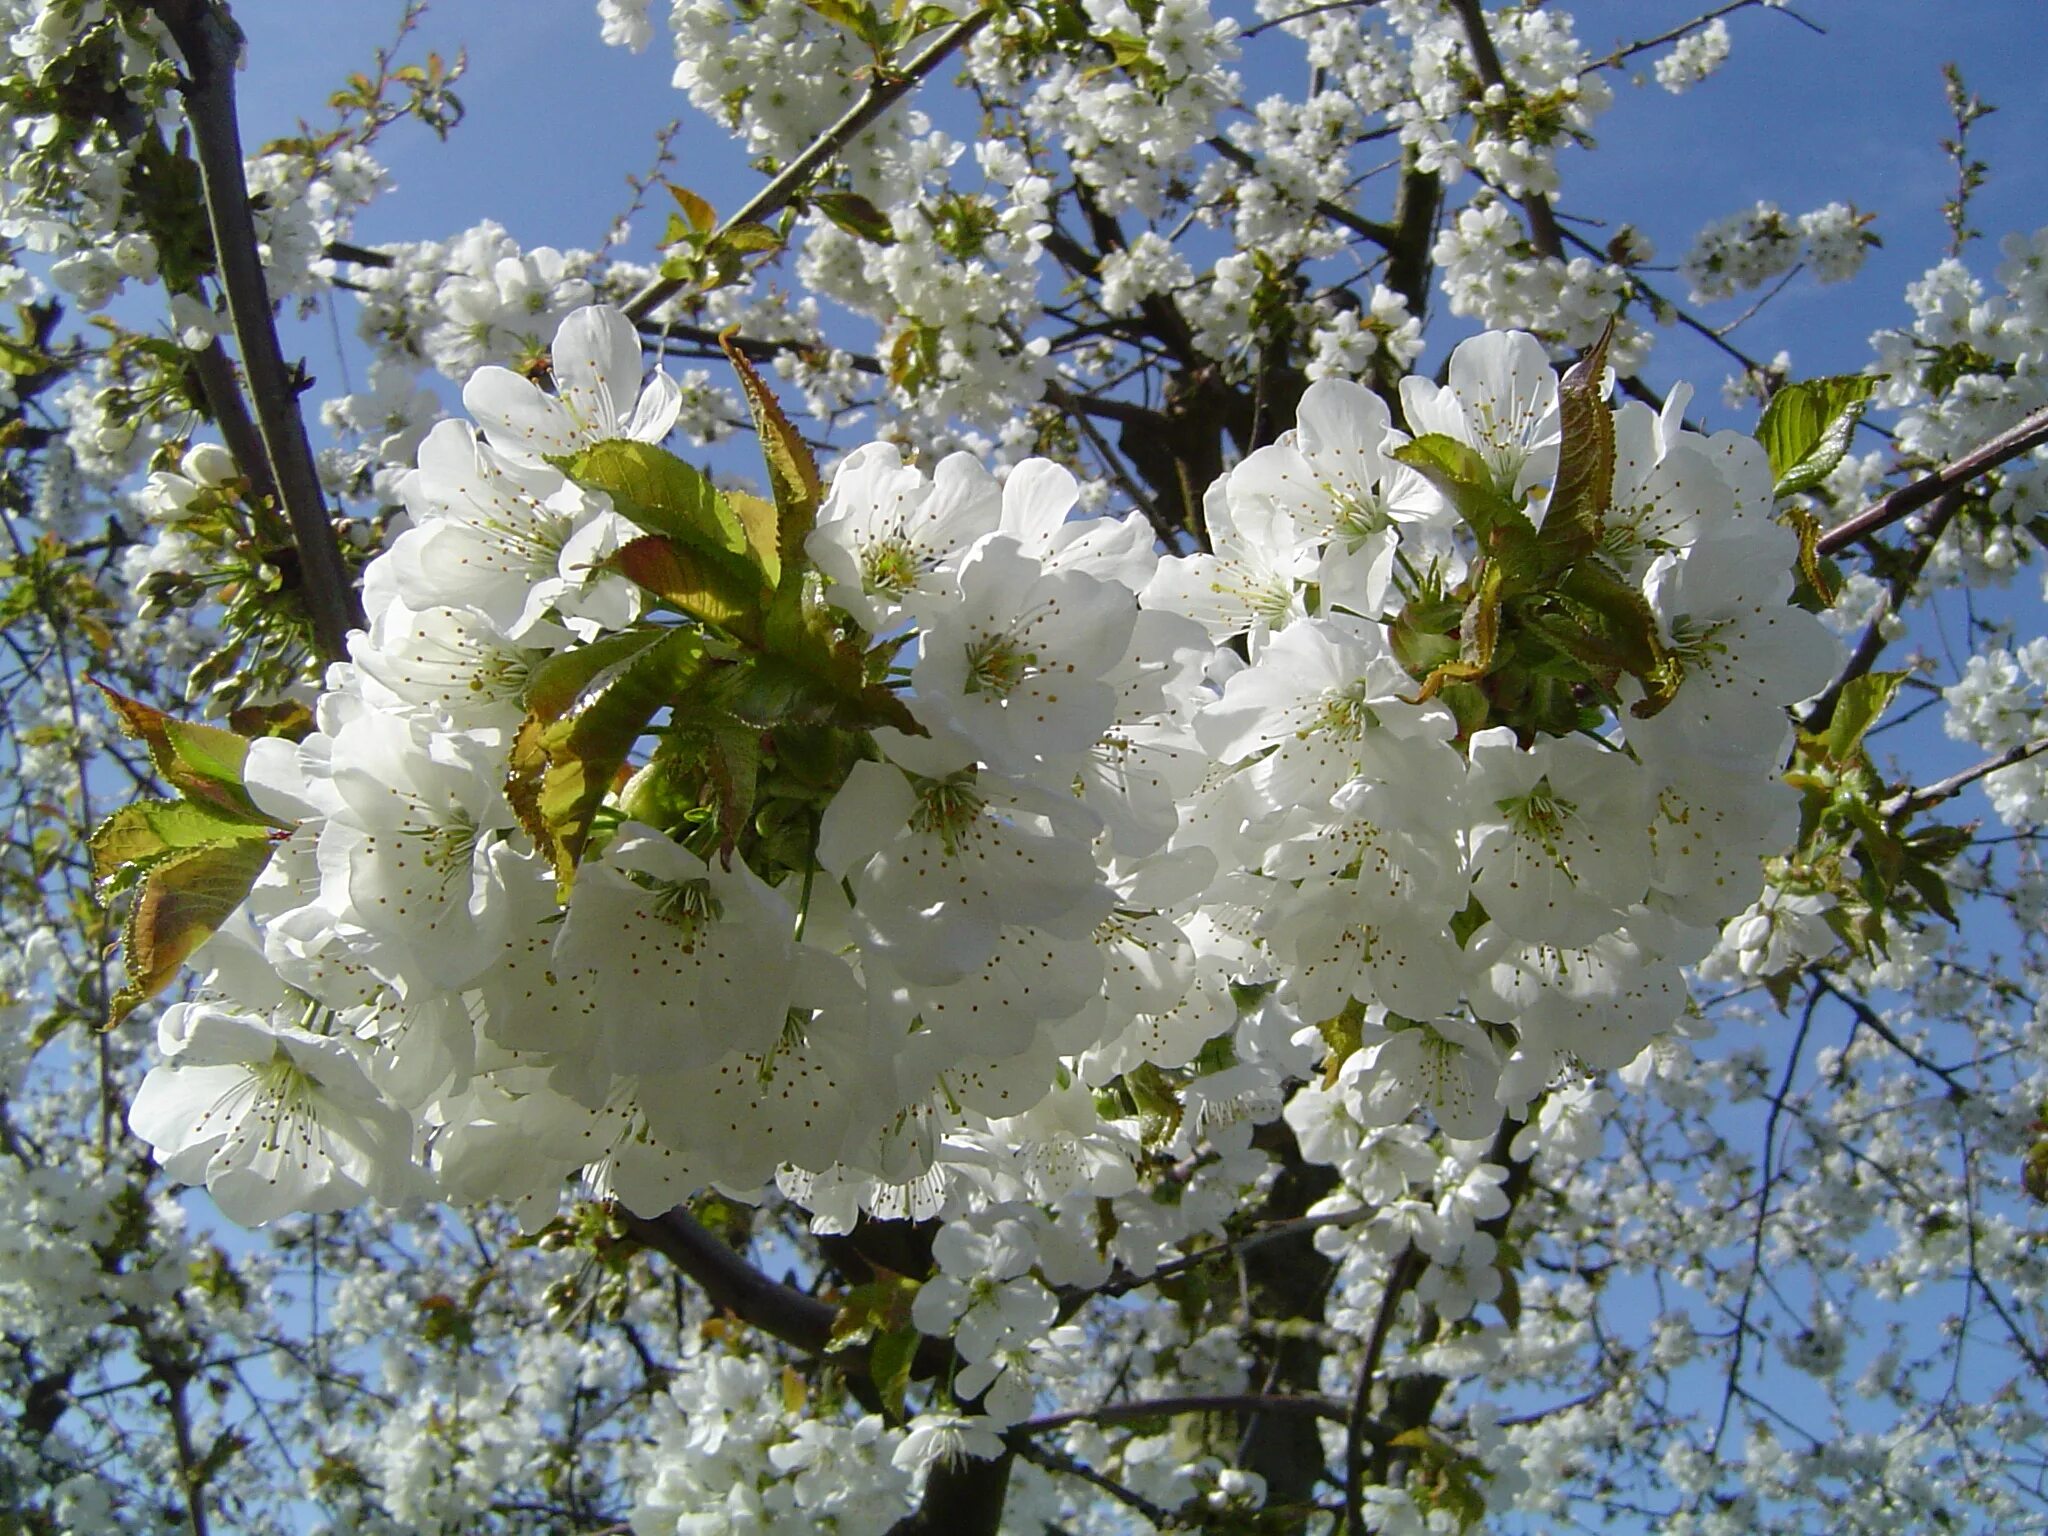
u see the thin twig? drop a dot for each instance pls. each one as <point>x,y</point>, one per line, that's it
<point>1763,1216</point>
<point>1912,800</point>
<point>1379,234</point>
<point>1405,1272</point>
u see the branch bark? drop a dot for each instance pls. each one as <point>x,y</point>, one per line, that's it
<point>1543,231</point>
<point>2026,435</point>
<point>781,1311</point>
<point>211,43</point>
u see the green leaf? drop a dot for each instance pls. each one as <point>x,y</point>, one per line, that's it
<point>697,213</point>
<point>203,762</point>
<point>889,1366</point>
<point>1158,1103</point>
<point>1577,513</point>
<point>1862,703</point>
<point>660,493</point>
<point>857,216</point>
<point>558,682</point>
<point>1457,469</point>
<point>720,592</point>
<point>747,239</point>
<point>759,526</point>
<point>1807,426</point>
<point>1616,619</point>
<point>877,1306</point>
<point>561,771</point>
<point>792,471</point>
<point>185,896</point>
<point>860,20</point>
<point>147,830</point>
<point>23,361</point>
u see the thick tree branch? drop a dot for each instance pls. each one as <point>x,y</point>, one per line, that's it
<point>1215,1402</point>
<point>961,1498</point>
<point>2028,434</point>
<point>883,92</point>
<point>733,1285</point>
<point>1543,231</point>
<point>216,374</point>
<point>211,43</point>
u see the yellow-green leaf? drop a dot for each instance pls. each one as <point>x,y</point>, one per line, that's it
<point>792,471</point>
<point>697,213</point>
<point>654,489</point>
<point>183,899</point>
<point>561,772</point>
<point>203,762</point>
<point>716,591</point>
<point>1807,426</point>
<point>149,829</point>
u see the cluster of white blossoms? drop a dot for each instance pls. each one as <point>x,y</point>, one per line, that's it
<point>589,864</point>
<point>1750,248</point>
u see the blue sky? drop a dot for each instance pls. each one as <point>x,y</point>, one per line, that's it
<point>556,121</point>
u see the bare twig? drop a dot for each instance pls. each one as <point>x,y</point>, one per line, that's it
<point>1948,788</point>
<point>1379,234</point>
<point>1317,10</point>
<point>211,44</point>
<point>1401,1278</point>
<point>1768,1169</point>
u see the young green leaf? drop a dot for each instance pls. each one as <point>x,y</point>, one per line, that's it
<point>561,771</point>
<point>856,215</point>
<point>715,590</point>
<point>660,493</point>
<point>1862,703</point>
<point>203,762</point>
<point>1577,512</point>
<point>1807,426</point>
<point>792,471</point>
<point>185,897</point>
<point>1457,469</point>
<point>147,830</point>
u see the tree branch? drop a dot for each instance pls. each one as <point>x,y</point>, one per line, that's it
<point>1214,1402</point>
<point>733,1285</point>
<point>2029,433</point>
<point>1382,235</point>
<point>1948,788</point>
<point>1872,642</point>
<point>883,92</point>
<point>211,43</point>
<point>1405,1272</point>
<point>963,1497</point>
<point>1543,231</point>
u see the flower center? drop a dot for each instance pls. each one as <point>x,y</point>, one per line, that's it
<point>997,664</point>
<point>888,568</point>
<point>1540,815</point>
